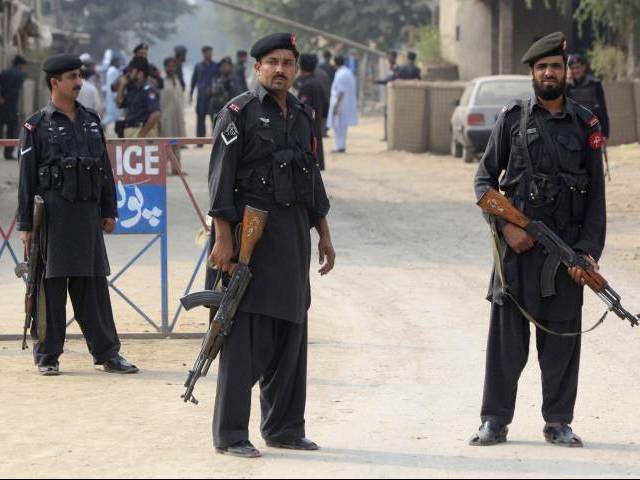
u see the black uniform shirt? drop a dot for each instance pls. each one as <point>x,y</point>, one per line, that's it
<point>248,132</point>
<point>140,101</point>
<point>75,246</point>
<point>410,71</point>
<point>579,214</point>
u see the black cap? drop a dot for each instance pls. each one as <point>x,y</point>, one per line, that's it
<point>61,63</point>
<point>577,58</point>
<point>139,47</point>
<point>275,41</point>
<point>226,60</point>
<point>139,63</point>
<point>552,44</point>
<point>308,62</point>
<point>180,50</point>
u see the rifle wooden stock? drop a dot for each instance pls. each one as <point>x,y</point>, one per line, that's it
<point>496,204</point>
<point>253,223</point>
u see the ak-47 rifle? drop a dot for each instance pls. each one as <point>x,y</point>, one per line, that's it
<point>223,305</point>
<point>33,268</point>
<point>496,204</point>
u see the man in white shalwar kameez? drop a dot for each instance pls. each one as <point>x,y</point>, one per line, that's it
<point>343,110</point>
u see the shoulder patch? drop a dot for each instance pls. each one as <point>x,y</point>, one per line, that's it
<point>238,103</point>
<point>33,121</point>
<point>596,141</point>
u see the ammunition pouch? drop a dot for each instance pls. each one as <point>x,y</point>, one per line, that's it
<point>75,178</point>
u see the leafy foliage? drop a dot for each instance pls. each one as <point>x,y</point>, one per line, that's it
<point>111,23</point>
<point>382,24</point>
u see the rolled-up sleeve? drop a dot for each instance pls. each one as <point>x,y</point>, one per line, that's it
<point>223,166</point>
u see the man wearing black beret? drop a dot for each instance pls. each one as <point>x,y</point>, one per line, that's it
<point>545,155</point>
<point>264,156</point>
<point>63,159</point>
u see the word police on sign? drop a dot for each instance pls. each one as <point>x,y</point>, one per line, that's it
<point>140,173</point>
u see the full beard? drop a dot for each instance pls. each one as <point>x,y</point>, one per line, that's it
<point>548,92</point>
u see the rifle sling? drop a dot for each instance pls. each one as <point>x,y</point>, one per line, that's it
<point>499,266</point>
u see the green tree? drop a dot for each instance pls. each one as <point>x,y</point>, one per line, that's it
<point>379,23</point>
<point>110,23</point>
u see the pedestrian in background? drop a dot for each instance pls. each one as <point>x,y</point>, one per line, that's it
<point>89,96</point>
<point>113,113</point>
<point>138,95</point>
<point>204,75</point>
<point>172,108</point>
<point>11,82</point>
<point>409,71</point>
<point>180,54</point>
<point>343,110</point>
<point>240,70</point>
<point>311,92</point>
<point>224,88</point>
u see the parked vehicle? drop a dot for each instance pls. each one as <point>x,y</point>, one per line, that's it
<point>478,109</point>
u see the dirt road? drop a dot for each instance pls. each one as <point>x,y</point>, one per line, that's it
<point>396,360</point>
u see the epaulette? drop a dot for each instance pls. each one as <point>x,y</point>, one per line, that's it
<point>238,103</point>
<point>586,115</point>
<point>32,122</point>
<point>511,105</point>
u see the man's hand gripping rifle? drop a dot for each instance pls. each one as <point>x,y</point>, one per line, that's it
<point>496,204</point>
<point>224,304</point>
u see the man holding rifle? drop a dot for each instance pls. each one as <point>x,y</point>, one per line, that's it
<point>545,154</point>
<point>63,160</point>
<point>264,156</point>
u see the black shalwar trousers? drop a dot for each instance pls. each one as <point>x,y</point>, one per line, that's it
<point>92,309</point>
<point>272,352</point>
<point>507,353</point>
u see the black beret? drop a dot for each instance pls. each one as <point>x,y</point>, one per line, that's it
<point>61,63</point>
<point>275,41</point>
<point>139,63</point>
<point>140,46</point>
<point>577,58</point>
<point>180,50</point>
<point>308,62</point>
<point>552,44</point>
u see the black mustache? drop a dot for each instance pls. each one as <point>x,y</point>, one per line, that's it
<point>280,76</point>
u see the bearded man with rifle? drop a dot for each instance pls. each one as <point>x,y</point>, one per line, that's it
<point>545,154</point>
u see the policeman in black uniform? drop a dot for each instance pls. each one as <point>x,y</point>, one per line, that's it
<point>587,90</point>
<point>138,95</point>
<point>263,156</point>
<point>225,87</point>
<point>548,148</point>
<point>311,92</point>
<point>63,159</point>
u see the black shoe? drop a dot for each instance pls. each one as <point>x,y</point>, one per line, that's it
<point>342,150</point>
<point>119,364</point>
<point>298,444</point>
<point>490,433</point>
<point>562,435</point>
<point>244,449</point>
<point>49,370</point>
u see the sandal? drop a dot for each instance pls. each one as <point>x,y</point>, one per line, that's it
<point>563,436</point>
<point>489,433</point>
